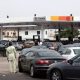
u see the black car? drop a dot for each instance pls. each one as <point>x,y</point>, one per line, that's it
<point>3,46</point>
<point>69,69</point>
<point>38,60</point>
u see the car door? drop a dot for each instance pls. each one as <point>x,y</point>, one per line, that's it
<point>76,64</point>
<point>22,60</point>
<point>30,56</point>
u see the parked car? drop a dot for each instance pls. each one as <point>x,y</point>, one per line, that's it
<point>76,44</point>
<point>17,45</point>
<point>69,69</point>
<point>3,46</point>
<point>69,52</point>
<point>28,44</point>
<point>38,60</point>
<point>53,45</point>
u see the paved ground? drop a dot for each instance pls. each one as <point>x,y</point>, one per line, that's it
<point>6,75</point>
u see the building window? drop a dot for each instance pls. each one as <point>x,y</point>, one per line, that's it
<point>26,32</point>
<point>46,32</point>
<point>38,32</point>
<point>7,33</point>
<point>3,33</point>
<point>14,33</point>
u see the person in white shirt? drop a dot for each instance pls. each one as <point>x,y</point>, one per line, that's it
<point>11,57</point>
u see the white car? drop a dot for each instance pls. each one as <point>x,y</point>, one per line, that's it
<point>70,52</point>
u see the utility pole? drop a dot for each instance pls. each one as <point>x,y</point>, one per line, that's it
<point>59,30</point>
<point>72,28</point>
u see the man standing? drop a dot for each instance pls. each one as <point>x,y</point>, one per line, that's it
<point>11,57</point>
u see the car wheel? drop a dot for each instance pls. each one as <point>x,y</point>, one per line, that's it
<point>20,67</point>
<point>32,71</point>
<point>55,75</point>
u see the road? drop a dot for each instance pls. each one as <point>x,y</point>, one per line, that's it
<point>6,75</point>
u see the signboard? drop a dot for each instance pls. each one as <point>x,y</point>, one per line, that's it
<point>61,18</point>
<point>39,18</point>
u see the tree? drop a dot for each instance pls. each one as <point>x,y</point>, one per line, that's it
<point>69,33</point>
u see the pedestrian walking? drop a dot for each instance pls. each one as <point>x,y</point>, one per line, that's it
<point>11,57</point>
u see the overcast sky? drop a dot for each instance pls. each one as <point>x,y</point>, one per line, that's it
<point>26,8</point>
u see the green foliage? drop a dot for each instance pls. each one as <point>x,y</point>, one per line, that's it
<point>69,32</point>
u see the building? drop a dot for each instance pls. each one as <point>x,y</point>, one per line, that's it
<point>12,29</point>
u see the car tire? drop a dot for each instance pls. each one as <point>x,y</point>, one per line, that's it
<point>32,71</point>
<point>20,67</point>
<point>55,75</point>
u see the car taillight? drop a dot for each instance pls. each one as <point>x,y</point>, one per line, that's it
<point>42,62</point>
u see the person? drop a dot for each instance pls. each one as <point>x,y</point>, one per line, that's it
<point>11,57</point>
<point>36,42</point>
<point>40,43</point>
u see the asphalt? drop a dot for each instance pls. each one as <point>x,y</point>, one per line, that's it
<point>6,75</point>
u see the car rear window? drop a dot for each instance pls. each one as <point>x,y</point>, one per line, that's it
<point>49,54</point>
<point>76,51</point>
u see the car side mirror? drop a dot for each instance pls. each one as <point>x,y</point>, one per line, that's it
<point>70,61</point>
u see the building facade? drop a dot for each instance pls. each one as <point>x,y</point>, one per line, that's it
<point>39,26</point>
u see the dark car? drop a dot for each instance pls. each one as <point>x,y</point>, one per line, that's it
<point>69,69</point>
<point>3,46</point>
<point>53,45</point>
<point>38,60</point>
<point>28,44</point>
<point>17,45</point>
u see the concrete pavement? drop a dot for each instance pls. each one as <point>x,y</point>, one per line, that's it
<point>6,75</point>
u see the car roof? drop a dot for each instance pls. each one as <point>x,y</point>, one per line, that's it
<point>36,50</point>
<point>43,49</point>
<point>74,47</point>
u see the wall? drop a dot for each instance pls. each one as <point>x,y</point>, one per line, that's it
<point>30,34</point>
<point>50,34</point>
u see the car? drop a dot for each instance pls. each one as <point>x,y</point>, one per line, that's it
<point>17,45</point>
<point>28,44</point>
<point>53,45</point>
<point>3,46</point>
<point>37,61</point>
<point>69,69</point>
<point>69,52</point>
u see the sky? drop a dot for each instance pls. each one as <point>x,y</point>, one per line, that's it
<point>27,8</point>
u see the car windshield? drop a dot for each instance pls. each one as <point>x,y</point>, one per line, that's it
<point>76,51</point>
<point>49,54</point>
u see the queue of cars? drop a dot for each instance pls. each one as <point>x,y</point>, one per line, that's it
<point>69,69</point>
<point>38,60</point>
<point>57,64</point>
